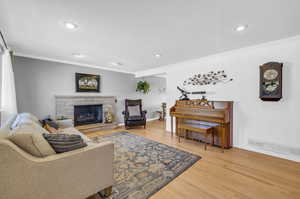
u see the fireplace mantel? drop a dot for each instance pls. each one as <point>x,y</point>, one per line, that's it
<point>64,104</point>
<point>83,96</point>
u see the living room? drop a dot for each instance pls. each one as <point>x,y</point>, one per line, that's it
<point>142,99</point>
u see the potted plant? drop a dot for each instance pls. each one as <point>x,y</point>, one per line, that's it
<point>143,87</point>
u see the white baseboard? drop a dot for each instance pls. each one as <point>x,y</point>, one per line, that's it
<point>148,120</point>
<point>271,153</point>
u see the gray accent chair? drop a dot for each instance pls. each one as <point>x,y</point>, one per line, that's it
<point>138,118</point>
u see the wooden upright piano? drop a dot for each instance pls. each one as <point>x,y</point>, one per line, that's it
<point>201,110</point>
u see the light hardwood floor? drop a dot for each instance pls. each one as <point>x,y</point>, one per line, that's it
<point>234,174</point>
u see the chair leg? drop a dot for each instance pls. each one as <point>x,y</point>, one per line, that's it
<point>213,138</point>
<point>145,126</point>
<point>205,145</point>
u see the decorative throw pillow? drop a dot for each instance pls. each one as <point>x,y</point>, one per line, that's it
<point>63,142</point>
<point>134,110</point>
<point>30,139</point>
<point>50,129</point>
<point>50,122</point>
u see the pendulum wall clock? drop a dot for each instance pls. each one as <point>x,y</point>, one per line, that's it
<point>271,81</point>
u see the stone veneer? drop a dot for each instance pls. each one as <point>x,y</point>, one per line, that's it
<point>64,104</point>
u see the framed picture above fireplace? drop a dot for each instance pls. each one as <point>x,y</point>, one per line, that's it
<point>87,82</point>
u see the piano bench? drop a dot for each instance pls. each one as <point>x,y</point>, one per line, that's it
<point>206,128</point>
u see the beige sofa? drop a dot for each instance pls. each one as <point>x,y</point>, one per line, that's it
<point>76,174</point>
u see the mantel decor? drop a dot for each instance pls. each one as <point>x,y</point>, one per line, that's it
<point>271,81</point>
<point>87,82</point>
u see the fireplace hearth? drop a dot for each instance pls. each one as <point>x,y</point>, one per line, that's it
<point>88,114</point>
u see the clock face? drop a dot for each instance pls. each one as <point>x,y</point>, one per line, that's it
<point>270,74</point>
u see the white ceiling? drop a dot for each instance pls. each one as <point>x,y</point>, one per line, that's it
<point>132,31</point>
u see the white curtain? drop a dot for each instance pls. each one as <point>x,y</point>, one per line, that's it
<point>8,91</point>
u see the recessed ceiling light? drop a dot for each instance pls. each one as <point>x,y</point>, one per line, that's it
<point>78,55</point>
<point>241,28</point>
<point>70,25</point>
<point>116,63</point>
<point>157,55</point>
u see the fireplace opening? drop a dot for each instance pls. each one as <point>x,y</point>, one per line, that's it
<point>88,114</point>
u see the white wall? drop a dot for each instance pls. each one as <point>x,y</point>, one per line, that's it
<point>268,127</point>
<point>152,100</point>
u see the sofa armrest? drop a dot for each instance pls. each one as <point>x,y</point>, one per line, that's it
<point>74,174</point>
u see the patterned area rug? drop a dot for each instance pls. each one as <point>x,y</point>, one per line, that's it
<point>142,166</point>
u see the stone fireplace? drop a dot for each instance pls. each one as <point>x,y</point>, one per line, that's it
<point>86,109</point>
<point>88,114</point>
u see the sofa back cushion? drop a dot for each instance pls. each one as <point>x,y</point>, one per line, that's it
<point>24,118</point>
<point>29,137</point>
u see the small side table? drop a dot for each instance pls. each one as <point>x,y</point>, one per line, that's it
<point>161,118</point>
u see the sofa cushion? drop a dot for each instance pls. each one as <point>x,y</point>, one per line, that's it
<point>63,142</point>
<point>29,137</point>
<point>74,131</point>
<point>134,110</point>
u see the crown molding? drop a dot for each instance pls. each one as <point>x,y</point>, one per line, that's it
<point>71,63</point>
